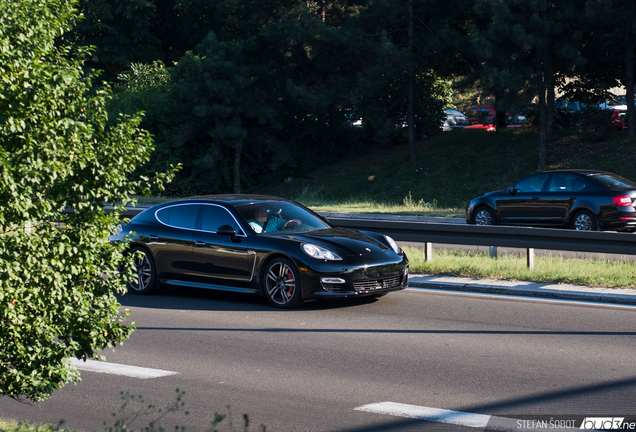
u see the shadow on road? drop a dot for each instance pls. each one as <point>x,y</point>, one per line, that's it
<point>184,298</point>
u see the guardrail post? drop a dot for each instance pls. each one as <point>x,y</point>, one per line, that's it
<point>428,251</point>
<point>493,251</point>
<point>530,254</point>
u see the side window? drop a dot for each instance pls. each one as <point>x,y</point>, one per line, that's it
<point>532,184</point>
<point>214,217</point>
<point>181,216</point>
<point>559,183</point>
<point>578,185</point>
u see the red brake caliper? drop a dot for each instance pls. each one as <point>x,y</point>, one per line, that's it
<point>290,276</point>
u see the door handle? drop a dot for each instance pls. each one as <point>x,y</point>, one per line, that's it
<point>199,243</point>
<point>153,237</point>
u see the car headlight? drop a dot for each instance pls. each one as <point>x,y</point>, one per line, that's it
<point>319,252</point>
<point>393,244</point>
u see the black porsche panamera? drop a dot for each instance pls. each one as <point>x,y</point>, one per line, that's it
<point>259,245</point>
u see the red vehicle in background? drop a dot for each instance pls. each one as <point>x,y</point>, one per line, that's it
<point>483,114</point>
<point>619,118</point>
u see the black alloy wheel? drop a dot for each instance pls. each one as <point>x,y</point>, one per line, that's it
<point>145,280</point>
<point>484,216</point>
<point>282,283</point>
<point>584,221</point>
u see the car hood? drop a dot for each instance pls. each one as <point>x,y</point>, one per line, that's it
<point>341,240</point>
<point>499,192</point>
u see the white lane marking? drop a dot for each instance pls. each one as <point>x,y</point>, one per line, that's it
<point>119,369</point>
<point>427,413</point>
<point>458,417</point>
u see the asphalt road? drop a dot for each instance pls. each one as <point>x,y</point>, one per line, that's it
<point>309,369</point>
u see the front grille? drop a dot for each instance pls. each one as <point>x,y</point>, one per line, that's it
<point>375,284</point>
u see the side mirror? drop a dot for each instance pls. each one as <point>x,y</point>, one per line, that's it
<point>512,190</point>
<point>226,230</point>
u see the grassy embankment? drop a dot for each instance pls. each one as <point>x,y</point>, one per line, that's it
<point>454,167</point>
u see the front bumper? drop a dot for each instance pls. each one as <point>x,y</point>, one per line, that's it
<point>362,281</point>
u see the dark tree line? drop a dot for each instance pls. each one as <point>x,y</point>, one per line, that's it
<point>248,92</point>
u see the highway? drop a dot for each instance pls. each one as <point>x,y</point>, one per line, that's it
<point>360,365</point>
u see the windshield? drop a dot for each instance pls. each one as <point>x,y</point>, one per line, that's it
<point>614,181</point>
<point>274,216</point>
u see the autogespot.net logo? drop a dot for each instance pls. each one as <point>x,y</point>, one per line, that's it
<point>607,423</point>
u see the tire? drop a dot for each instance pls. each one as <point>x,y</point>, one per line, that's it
<point>145,271</point>
<point>281,284</point>
<point>484,216</point>
<point>584,221</point>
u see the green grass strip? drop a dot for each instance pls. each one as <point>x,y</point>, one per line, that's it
<point>550,268</point>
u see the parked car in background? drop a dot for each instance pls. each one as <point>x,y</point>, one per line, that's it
<point>484,118</point>
<point>619,119</point>
<point>259,245</point>
<point>579,199</point>
<point>512,121</point>
<point>585,116</point>
<point>483,114</point>
<point>454,120</point>
<point>517,121</point>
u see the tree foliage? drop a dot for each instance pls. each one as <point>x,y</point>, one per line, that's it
<point>312,63</point>
<point>58,272</point>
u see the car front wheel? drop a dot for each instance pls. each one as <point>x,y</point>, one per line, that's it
<point>484,216</point>
<point>282,283</point>
<point>584,221</point>
<point>145,280</point>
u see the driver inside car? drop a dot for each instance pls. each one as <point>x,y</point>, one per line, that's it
<point>270,220</point>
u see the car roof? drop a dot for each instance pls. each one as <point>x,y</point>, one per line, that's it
<point>234,199</point>
<point>453,111</point>
<point>579,171</point>
<point>226,199</point>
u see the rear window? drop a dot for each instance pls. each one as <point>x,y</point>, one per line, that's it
<point>180,216</point>
<point>614,181</point>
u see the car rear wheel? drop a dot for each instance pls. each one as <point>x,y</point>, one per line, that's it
<point>145,280</point>
<point>584,221</point>
<point>282,284</point>
<point>484,216</point>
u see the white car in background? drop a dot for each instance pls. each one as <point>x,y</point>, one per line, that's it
<point>454,120</point>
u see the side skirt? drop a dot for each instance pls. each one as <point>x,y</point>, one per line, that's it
<point>172,282</point>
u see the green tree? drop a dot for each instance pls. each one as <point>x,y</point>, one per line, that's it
<point>278,95</point>
<point>124,32</point>
<point>214,102</point>
<point>141,87</point>
<point>426,38</point>
<point>523,45</point>
<point>58,272</point>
